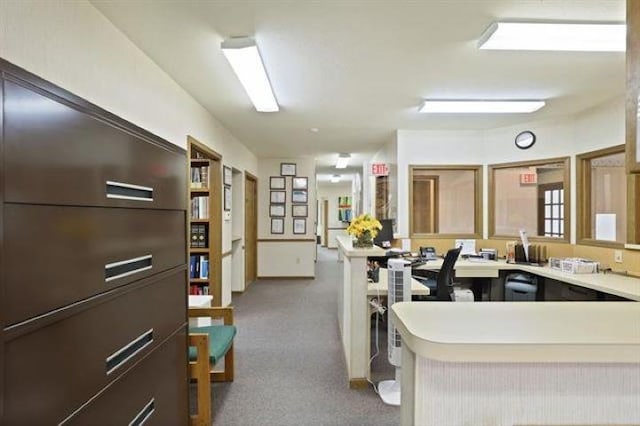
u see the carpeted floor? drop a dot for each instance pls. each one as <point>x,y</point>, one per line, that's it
<point>290,367</point>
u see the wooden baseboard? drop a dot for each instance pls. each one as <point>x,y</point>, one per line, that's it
<point>288,278</point>
<point>358,384</point>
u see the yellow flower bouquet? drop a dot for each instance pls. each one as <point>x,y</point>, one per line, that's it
<point>364,228</point>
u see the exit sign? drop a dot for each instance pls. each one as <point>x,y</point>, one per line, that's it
<point>528,178</point>
<point>379,169</point>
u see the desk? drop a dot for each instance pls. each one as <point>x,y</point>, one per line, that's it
<point>627,287</point>
<point>382,287</point>
<point>533,363</point>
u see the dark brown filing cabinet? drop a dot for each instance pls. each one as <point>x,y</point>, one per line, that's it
<point>92,264</point>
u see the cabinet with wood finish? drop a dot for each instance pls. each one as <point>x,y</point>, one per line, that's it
<point>93,261</point>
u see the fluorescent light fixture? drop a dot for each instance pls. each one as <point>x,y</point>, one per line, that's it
<point>564,36</point>
<point>244,57</point>
<point>335,178</point>
<point>343,161</point>
<point>473,106</point>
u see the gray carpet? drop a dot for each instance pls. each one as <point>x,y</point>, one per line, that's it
<point>290,367</point>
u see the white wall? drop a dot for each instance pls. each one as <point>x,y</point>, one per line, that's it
<point>287,258</point>
<point>71,44</point>
<point>596,128</point>
<point>331,192</point>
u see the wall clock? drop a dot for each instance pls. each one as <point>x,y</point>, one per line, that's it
<point>525,140</point>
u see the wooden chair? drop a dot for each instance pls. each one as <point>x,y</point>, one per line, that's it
<point>207,345</point>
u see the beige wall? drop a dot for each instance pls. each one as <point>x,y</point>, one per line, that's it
<point>331,192</point>
<point>608,198</point>
<point>515,204</point>
<point>286,258</point>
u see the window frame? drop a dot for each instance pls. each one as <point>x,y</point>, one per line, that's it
<point>567,198</point>
<point>583,198</point>
<point>478,211</point>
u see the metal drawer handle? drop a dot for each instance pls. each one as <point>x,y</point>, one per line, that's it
<point>126,191</point>
<point>119,357</point>
<point>115,270</point>
<point>144,414</point>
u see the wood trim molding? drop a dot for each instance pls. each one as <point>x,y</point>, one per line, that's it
<point>250,175</point>
<point>633,85</point>
<point>286,240</point>
<point>529,163</point>
<point>583,197</point>
<point>204,148</point>
<point>478,188</point>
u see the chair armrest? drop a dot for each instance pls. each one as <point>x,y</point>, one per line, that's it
<point>225,313</point>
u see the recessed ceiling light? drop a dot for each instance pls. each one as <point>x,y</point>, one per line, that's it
<point>335,178</point>
<point>314,130</point>
<point>244,57</point>
<point>343,161</point>
<point>564,36</point>
<point>476,106</point>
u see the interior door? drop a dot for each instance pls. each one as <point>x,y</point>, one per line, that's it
<point>250,229</point>
<point>425,204</point>
<point>325,223</point>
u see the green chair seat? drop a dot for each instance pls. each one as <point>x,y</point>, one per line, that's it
<point>220,340</point>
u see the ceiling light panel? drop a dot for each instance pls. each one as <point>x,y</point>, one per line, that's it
<point>343,161</point>
<point>562,36</point>
<point>479,106</point>
<point>244,57</point>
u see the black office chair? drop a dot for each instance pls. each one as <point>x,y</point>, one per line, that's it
<point>441,287</point>
<point>444,280</point>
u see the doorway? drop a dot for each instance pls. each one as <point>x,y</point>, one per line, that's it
<point>425,204</point>
<point>250,229</point>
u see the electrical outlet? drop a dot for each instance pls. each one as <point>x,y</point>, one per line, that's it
<point>617,256</point>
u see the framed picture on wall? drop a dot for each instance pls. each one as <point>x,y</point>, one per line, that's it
<point>300,182</point>
<point>299,196</point>
<point>299,226</point>
<point>287,169</point>
<point>299,210</point>
<point>277,182</point>
<point>278,197</point>
<point>227,198</point>
<point>276,210</point>
<point>227,176</point>
<point>277,226</point>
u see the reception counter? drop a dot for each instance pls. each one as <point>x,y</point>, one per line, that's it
<point>519,363</point>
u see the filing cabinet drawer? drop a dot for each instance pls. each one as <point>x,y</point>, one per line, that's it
<point>54,369</point>
<point>55,154</point>
<point>577,293</point>
<point>87,251</point>
<point>155,392</point>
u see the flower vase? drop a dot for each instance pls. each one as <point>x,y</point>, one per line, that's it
<point>363,241</point>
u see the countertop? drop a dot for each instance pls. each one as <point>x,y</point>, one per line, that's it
<point>579,332</point>
<point>345,244</point>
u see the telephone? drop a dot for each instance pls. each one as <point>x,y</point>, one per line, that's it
<point>428,253</point>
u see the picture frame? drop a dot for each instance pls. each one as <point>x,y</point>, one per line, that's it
<point>299,226</point>
<point>276,210</point>
<point>299,210</point>
<point>287,169</point>
<point>227,198</point>
<point>227,175</point>
<point>300,183</point>
<point>277,226</point>
<point>277,182</point>
<point>278,197</point>
<point>299,196</point>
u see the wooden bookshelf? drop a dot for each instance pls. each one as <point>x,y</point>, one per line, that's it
<point>208,183</point>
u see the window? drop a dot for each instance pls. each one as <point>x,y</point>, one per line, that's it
<point>446,201</point>
<point>533,196</point>
<point>602,197</point>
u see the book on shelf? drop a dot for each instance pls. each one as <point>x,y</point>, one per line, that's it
<point>198,235</point>
<point>200,207</point>
<point>200,177</point>
<point>199,290</point>
<point>199,266</point>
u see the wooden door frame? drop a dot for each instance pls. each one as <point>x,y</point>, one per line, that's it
<point>251,224</point>
<point>325,223</point>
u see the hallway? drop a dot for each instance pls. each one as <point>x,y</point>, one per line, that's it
<point>290,367</point>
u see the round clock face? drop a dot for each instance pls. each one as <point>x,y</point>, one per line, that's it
<point>525,139</point>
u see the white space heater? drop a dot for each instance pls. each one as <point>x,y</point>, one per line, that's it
<point>399,290</point>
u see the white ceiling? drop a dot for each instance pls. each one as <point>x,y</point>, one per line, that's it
<point>358,70</point>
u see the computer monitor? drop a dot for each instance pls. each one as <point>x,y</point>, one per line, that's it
<point>385,236</point>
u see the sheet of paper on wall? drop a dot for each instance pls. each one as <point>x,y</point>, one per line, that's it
<point>606,226</point>
<point>406,244</point>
